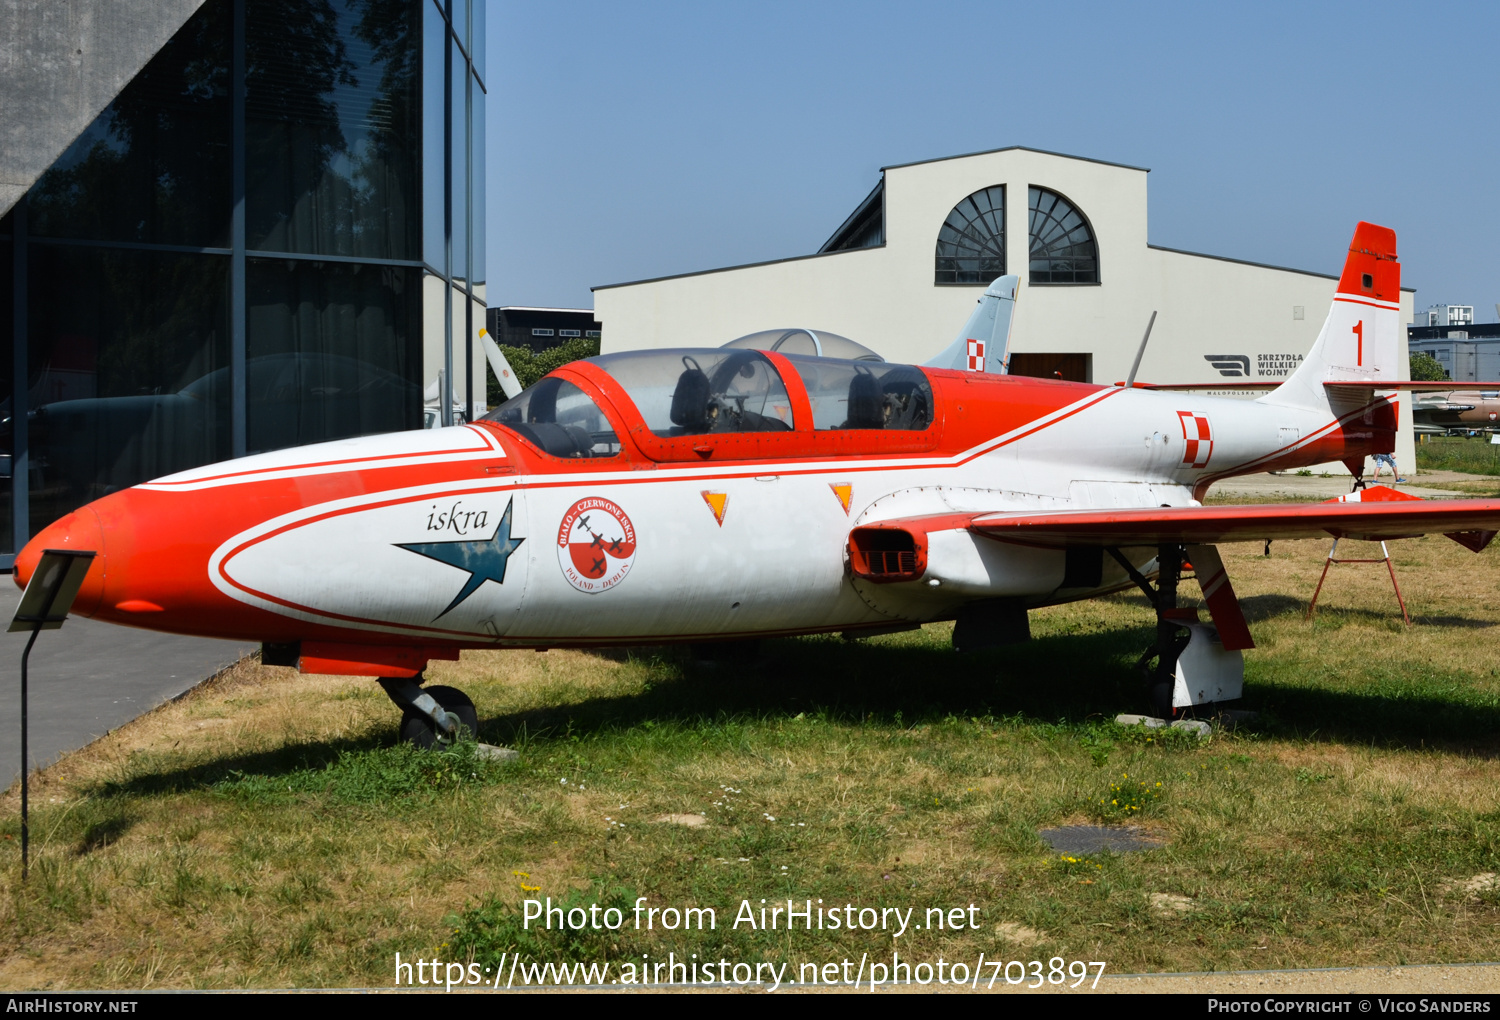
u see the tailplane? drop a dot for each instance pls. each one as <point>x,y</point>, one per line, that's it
<point>1359,348</point>
<point>984,344</point>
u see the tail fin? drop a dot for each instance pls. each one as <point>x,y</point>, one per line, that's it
<point>503,372</point>
<point>984,344</point>
<point>1360,341</point>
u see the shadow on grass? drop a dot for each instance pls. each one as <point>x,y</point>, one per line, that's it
<point>311,756</point>
<point>1071,680</point>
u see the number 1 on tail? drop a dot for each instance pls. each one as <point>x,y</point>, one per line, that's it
<point>1359,331</point>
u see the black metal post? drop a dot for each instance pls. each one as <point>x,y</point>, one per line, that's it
<point>1169,566</point>
<point>26,763</point>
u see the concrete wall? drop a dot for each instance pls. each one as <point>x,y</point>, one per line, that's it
<point>61,63</point>
<point>885,297</point>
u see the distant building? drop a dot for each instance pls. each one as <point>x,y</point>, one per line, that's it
<point>1472,356</point>
<point>540,328</point>
<point>1445,315</point>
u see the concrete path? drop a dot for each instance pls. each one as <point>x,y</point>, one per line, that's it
<point>88,678</point>
<point>1428,485</point>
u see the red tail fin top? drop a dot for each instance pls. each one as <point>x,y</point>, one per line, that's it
<point>1371,270</point>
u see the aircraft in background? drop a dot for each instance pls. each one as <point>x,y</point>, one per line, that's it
<point>1457,410</point>
<point>722,494</point>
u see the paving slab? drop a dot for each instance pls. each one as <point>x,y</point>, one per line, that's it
<point>90,677</point>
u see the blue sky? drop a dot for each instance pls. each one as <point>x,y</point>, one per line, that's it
<point>636,140</point>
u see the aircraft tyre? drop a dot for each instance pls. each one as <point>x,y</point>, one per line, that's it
<point>417,729</point>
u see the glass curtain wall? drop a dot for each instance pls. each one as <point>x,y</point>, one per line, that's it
<point>230,258</point>
<point>453,95</point>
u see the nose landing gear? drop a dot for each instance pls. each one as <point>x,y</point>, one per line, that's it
<point>436,716</point>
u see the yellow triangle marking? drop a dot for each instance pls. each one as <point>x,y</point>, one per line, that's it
<point>844,491</point>
<point>718,502</point>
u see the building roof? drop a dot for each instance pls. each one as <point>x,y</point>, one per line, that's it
<point>1017,148</point>
<point>530,308</point>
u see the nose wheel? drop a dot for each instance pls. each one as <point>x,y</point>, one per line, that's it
<point>434,716</point>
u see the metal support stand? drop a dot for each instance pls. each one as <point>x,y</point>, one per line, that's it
<point>1385,558</point>
<point>44,605</point>
<point>26,763</point>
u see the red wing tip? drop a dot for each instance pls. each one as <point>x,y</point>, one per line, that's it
<point>1378,241</point>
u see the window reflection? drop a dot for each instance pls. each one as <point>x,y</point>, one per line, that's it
<point>154,166</point>
<point>331,119</point>
<point>7,405</point>
<point>460,79</point>
<point>556,416</point>
<point>476,173</point>
<point>334,350</point>
<point>865,395</point>
<point>434,84</point>
<point>115,384</point>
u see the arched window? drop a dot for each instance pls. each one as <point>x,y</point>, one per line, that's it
<point>1063,249</point>
<point>971,243</point>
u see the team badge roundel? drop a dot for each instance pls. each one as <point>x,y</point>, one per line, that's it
<point>595,545</point>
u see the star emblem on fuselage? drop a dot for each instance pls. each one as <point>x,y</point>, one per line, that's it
<point>484,559</point>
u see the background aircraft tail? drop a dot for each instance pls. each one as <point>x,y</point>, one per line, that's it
<point>1359,348</point>
<point>984,344</point>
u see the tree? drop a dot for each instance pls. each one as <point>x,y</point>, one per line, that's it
<point>530,366</point>
<point>1425,368</point>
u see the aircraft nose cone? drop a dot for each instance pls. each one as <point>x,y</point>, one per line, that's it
<point>78,530</point>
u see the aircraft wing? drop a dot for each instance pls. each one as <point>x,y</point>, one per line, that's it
<point>1371,519</point>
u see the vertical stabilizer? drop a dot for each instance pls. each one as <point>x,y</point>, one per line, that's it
<point>1360,340</point>
<point>984,344</point>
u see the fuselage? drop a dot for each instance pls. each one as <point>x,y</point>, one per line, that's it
<point>473,536</point>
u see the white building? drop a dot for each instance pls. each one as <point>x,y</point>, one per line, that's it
<point>1447,315</point>
<point>904,270</point>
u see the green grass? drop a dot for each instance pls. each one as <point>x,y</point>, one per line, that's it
<point>1458,453</point>
<point>269,832</point>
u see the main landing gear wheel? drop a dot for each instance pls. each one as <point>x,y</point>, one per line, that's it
<point>436,716</point>
<point>417,729</point>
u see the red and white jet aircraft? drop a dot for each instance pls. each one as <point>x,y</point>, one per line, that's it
<point>728,494</point>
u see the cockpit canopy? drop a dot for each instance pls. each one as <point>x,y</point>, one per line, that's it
<point>709,391</point>
<point>817,342</point>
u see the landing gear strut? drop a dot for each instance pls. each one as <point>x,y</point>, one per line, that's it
<point>1171,636</point>
<point>431,717</point>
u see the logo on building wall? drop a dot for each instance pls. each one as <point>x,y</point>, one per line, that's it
<point>1267,366</point>
<point>1198,438</point>
<point>1231,366</point>
<point>595,545</point>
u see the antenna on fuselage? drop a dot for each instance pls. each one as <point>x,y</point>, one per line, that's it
<point>1130,379</point>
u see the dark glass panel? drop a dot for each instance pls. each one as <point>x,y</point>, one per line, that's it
<point>130,384</point>
<point>476,177</point>
<point>460,79</point>
<point>154,166</point>
<point>7,339</point>
<point>434,88</point>
<point>331,127</point>
<point>334,350</point>
<point>1062,244</point>
<point>476,37</point>
<point>971,241</point>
